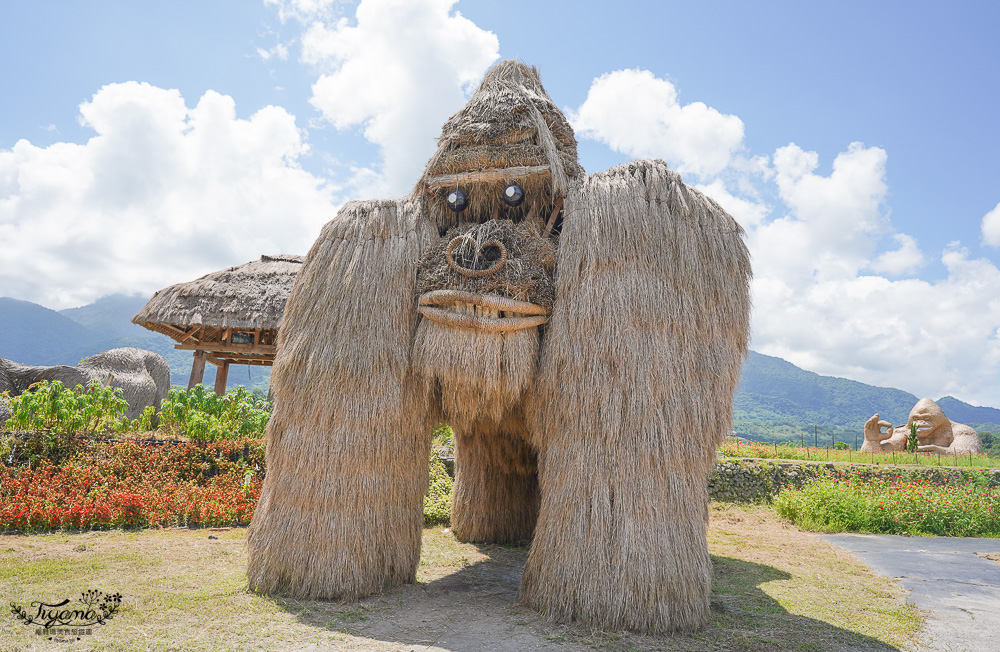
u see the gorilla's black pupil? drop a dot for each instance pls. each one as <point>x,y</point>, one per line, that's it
<point>513,195</point>
<point>457,201</point>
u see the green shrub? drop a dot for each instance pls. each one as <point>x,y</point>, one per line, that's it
<point>443,436</point>
<point>52,408</point>
<point>437,502</point>
<point>201,415</point>
<point>894,506</point>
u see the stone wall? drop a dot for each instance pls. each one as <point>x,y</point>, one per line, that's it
<point>757,480</point>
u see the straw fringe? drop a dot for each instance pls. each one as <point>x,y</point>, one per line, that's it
<point>496,498</point>
<point>340,514</point>
<point>634,389</point>
<point>473,374</point>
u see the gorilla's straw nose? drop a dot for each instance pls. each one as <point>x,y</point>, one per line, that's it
<point>473,259</point>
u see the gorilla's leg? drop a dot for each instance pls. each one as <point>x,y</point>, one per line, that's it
<point>341,512</point>
<point>496,483</point>
<point>620,543</point>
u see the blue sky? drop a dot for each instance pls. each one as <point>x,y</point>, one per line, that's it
<point>856,142</point>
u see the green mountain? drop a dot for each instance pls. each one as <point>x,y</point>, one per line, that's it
<point>32,334</point>
<point>775,399</point>
<point>111,315</point>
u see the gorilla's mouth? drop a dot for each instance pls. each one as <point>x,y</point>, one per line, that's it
<point>490,313</point>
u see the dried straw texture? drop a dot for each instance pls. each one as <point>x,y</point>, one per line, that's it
<point>526,276</point>
<point>635,386</point>
<point>247,296</point>
<point>509,123</point>
<point>495,499</point>
<point>472,374</point>
<point>340,514</point>
<point>143,376</point>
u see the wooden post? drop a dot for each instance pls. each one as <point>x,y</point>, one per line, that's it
<point>221,374</point>
<point>197,369</point>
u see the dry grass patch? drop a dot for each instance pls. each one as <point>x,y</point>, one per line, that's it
<point>774,589</point>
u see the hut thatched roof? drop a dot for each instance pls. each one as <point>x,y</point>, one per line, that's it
<point>248,296</point>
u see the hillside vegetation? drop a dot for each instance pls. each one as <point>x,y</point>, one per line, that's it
<point>775,399</point>
<point>39,336</point>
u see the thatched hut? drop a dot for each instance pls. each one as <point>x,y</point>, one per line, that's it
<point>583,335</point>
<point>226,317</point>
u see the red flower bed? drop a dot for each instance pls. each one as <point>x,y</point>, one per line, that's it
<point>128,484</point>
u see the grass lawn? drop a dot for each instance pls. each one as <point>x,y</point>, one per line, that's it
<point>774,588</point>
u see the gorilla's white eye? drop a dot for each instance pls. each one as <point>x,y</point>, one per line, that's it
<point>513,195</point>
<point>457,201</point>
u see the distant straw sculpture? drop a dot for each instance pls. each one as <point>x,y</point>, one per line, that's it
<point>582,334</point>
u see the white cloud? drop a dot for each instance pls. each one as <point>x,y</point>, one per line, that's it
<point>279,52</point>
<point>162,194</point>
<point>907,259</point>
<point>399,71</point>
<point>815,306</point>
<point>638,114</point>
<point>303,10</point>
<point>748,212</point>
<point>816,302</point>
<point>991,227</point>
<point>829,231</point>
<point>931,339</point>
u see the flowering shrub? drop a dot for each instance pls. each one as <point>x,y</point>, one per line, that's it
<point>893,506</point>
<point>132,484</point>
<point>128,484</point>
<point>437,502</point>
<point>443,435</point>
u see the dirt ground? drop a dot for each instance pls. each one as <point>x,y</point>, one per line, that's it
<point>774,588</point>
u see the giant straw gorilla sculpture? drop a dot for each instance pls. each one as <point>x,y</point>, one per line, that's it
<point>582,334</point>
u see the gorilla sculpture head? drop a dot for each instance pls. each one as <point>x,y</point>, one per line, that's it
<point>576,331</point>
<point>494,190</point>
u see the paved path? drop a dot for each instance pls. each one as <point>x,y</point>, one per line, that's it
<point>960,589</point>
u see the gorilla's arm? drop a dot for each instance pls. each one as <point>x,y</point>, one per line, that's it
<point>340,512</point>
<point>636,380</point>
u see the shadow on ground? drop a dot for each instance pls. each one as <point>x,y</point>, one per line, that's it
<point>475,609</point>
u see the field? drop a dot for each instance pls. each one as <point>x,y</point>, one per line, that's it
<point>775,588</point>
<point>780,451</point>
